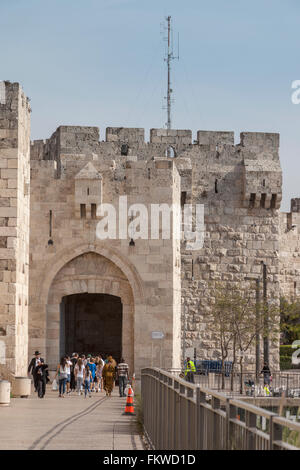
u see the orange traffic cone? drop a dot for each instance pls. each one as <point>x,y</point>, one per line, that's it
<point>129,408</point>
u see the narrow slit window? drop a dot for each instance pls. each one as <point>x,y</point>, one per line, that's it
<point>88,191</point>
<point>252,200</point>
<point>216,186</point>
<point>263,200</point>
<point>264,183</point>
<point>82,211</point>
<point>50,224</point>
<point>273,201</point>
<point>93,210</point>
<point>183,198</point>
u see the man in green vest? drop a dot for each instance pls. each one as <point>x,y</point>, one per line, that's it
<point>190,370</point>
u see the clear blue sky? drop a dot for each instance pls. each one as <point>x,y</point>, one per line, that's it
<point>100,62</point>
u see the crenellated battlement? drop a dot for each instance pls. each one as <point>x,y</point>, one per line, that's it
<point>71,147</point>
<point>69,138</point>
<point>215,138</point>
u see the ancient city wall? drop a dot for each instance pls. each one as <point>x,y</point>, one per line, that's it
<point>163,284</point>
<point>239,186</point>
<point>290,251</point>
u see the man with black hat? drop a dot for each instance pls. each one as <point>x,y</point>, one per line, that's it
<point>74,360</point>
<point>32,368</point>
<point>42,374</point>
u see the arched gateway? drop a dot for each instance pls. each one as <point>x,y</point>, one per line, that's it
<point>90,304</point>
<point>90,309</point>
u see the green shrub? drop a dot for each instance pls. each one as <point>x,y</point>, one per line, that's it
<point>286,350</point>
<point>285,363</point>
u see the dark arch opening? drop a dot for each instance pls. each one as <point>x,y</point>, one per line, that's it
<point>91,324</point>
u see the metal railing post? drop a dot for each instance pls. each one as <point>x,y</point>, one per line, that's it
<point>183,423</point>
<point>190,431</point>
<point>198,419</point>
<point>232,412</point>
<point>275,433</point>
<point>202,410</point>
<point>250,423</point>
<point>227,409</point>
<point>176,415</point>
<point>215,444</point>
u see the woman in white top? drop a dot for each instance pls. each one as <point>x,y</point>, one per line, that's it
<point>62,374</point>
<point>79,374</point>
<point>68,365</point>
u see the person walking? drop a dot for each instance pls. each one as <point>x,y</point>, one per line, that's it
<point>74,360</point>
<point>190,370</point>
<point>99,370</point>
<point>266,373</point>
<point>109,375</point>
<point>43,377</point>
<point>79,375</point>
<point>87,380</point>
<point>98,373</point>
<point>68,365</point>
<point>123,376</point>
<point>92,367</point>
<point>32,368</point>
<point>62,374</point>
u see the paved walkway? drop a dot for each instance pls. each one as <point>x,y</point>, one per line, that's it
<point>73,422</point>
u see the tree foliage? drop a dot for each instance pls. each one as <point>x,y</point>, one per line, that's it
<point>236,319</point>
<point>289,320</point>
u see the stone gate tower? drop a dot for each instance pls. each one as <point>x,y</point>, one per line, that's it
<point>14,226</point>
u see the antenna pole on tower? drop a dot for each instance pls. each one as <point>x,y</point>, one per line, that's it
<point>168,59</point>
<point>169,76</point>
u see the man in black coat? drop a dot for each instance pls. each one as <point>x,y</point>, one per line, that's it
<point>74,360</point>
<point>32,368</point>
<point>42,378</point>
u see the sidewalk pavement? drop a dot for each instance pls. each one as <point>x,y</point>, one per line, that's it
<point>70,423</point>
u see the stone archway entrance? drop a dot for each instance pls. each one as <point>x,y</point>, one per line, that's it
<point>89,274</point>
<point>91,323</point>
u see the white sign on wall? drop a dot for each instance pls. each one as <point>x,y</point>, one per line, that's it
<point>2,353</point>
<point>157,335</point>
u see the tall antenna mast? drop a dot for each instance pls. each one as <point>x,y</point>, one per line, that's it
<point>169,57</point>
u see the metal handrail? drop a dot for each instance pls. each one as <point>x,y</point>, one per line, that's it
<point>178,416</point>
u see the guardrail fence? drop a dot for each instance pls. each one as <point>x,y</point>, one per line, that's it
<point>287,382</point>
<point>179,415</point>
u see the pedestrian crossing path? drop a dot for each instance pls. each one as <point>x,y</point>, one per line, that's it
<point>70,423</point>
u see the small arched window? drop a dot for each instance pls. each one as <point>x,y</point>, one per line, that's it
<point>170,152</point>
